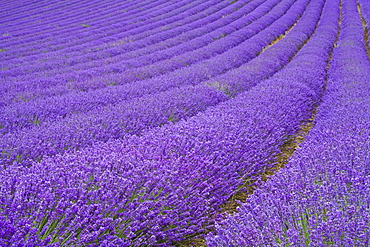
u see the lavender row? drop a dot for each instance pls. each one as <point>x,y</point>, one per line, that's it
<point>120,30</point>
<point>21,11</point>
<point>322,196</point>
<point>108,19</point>
<point>275,57</point>
<point>196,28</point>
<point>50,18</point>
<point>55,63</point>
<point>19,7</point>
<point>365,11</point>
<point>77,13</point>
<point>153,189</point>
<point>184,46</point>
<point>169,15</point>
<point>101,35</point>
<point>203,31</point>
<point>89,54</point>
<point>122,46</point>
<point>239,23</point>
<point>49,108</point>
<point>107,32</point>
<point>24,84</point>
<point>18,10</point>
<point>14,14</point>
<point>192,74</point>
<point>138,165</point>
<point>33,113</point>
<point>171,42</point>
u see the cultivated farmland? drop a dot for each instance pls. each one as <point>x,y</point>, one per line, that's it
<point>185,123</point>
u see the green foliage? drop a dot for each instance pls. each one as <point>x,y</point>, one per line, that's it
<point>304,224</point>
<point>36,122</point>
<point>171,118</point>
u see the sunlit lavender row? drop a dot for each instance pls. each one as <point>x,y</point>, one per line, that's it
<point>133,123</point>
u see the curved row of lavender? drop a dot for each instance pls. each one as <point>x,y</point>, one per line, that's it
<point>322,197</point>
<point>168,16</point>
<point>365,11</point>
<point>71,21</point>
<point>54,40</point>
<point>214,22</point>
<point>22,13</point>
<point>169,39</point>
<point>120,75</point>
<point>50,10</point>
<point>24,114</point>
<point>29,84</point>
<point>61,57</point>
<point>198,8</point>
<point>116,120</point>
<point>129,31</point>
<point>162,186</point>
<point>18,19</point>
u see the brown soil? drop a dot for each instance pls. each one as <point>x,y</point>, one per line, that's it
<point>366,31</point>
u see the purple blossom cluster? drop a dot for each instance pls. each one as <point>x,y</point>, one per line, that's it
<point>321,198</point>
<point>133,126</point>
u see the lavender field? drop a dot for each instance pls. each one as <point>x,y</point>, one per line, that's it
<point>185,123</point>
